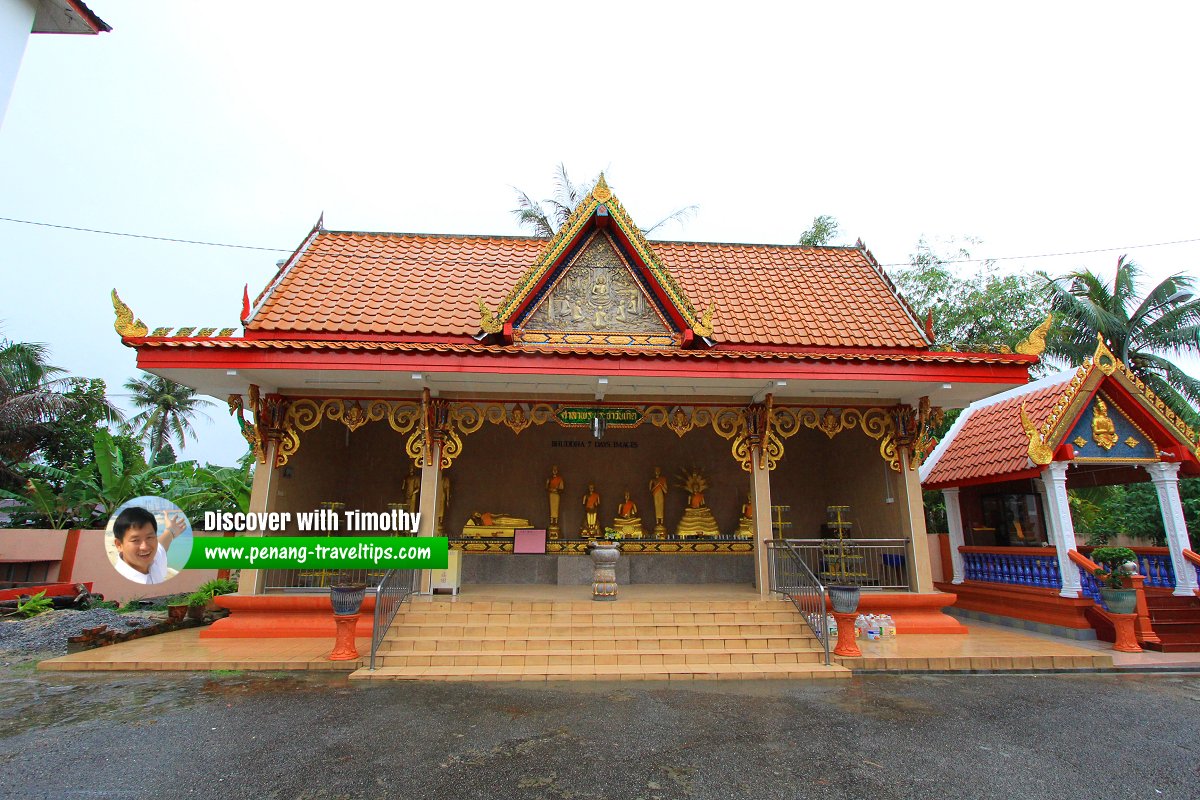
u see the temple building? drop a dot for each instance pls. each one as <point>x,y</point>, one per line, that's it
<point>695,399</point>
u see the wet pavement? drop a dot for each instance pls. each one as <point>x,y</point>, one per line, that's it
<point>320,737</point>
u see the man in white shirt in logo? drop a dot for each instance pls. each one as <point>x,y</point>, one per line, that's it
<point>141,551</point>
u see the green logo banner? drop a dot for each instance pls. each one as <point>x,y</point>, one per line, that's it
<point>583,416</point>
<point>318,552</point>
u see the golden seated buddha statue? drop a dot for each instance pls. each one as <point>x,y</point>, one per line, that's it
<point>627,522</point>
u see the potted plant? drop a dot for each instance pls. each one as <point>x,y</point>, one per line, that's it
<point>844,598</point>
<point>197,601</point>
<point>347,597</point>
<point>1118,563</point>
<point>177,610</point>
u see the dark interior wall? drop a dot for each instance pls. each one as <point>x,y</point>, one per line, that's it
<point>364,469</point>
<point>503,472</point>
<point>848,470</point>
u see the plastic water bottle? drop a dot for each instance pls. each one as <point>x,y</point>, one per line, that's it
<point>873,629</point>
<point>860,627</point>
<point>889,627</point>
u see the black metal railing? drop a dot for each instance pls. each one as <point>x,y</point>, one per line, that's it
<point>792,577</point>
<point>396,586</point>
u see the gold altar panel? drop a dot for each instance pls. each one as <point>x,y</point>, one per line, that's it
<point>500,472</point>
<point>817,471</point>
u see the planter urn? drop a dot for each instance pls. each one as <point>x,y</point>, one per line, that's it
<point>347,598</point>
<point>604,553</point>
<point>844,599</point>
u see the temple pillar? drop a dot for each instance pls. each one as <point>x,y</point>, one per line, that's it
<point>913,524</point>
<point>431,484</point>
<point>760,498</point>
<point>955,528</point>
<point>1058,513</point>
<point>262,498</point>
<point>1165,476</point>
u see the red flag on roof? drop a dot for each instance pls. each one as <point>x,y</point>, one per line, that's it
<point>245,303</point>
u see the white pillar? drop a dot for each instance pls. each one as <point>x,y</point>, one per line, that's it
<point>760,498</point>
<point>1058,510</point>
<point>912,524</point>
<point>955,527</point>
<point>262,499</point>
<point>431,484</point>
<point>1165,476</point>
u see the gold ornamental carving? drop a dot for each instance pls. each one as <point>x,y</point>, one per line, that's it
<point>1104,432</point>
<point>1039,452</point>
<point>1035,343</point>
<point>125,324</point>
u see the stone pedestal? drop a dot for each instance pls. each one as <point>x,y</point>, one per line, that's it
<point>1126,640</point>
<point>846,646</point>
<point>344,648</point>
<point>604,555</point>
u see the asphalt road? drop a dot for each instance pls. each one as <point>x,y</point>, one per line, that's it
<point>169,735</point>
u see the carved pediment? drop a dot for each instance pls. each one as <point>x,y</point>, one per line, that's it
<point>597,298</point>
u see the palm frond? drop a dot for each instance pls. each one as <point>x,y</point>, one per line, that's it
<point>679,215</point>
<point>1125,285</point>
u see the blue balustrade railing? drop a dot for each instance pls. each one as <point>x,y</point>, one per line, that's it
<point>1016,566</point>
<point>1157,569</point>
<point>1090,587</point>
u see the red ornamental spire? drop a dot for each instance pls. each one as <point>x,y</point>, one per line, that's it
<point>245,303</point>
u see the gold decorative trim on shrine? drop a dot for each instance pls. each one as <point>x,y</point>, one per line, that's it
<point>433,423</point>
<point>580,547</point>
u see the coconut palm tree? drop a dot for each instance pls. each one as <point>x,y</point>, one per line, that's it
<point>31,401</point>
<point>545,218</point>
<point>1142,333</point>
<point>167,409</point>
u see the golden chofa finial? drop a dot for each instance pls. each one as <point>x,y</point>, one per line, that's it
<point>601,192</point>
<point>487,318</point>
<point>1039,452</point>
<point>126,326</point>
<point>1035,343</point>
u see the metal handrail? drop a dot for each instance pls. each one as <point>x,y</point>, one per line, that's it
<point>792,578</point>
<point>396,586</point>
<point>880,565</point>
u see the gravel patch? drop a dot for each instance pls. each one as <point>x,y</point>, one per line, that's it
<point>45,635</point>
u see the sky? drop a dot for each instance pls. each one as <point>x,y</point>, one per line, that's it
<point>1031,128</point>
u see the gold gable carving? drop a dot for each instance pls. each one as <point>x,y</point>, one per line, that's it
<point>596,293</point>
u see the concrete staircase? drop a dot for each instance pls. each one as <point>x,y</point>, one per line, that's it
<point>438,639</point>
<point>1176,621</point>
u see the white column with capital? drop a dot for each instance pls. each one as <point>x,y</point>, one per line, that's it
<point>760,500</point>
<point>1054,478</point>
<point>1165,476</point>
<point>955,527</point>
<point>431,485</point>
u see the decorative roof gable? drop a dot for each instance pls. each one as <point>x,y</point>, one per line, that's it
<point>620,252</point>
<point>1100,413</point>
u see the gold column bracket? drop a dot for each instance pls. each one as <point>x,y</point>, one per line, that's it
<point>126,326</point>
<point>1035,343</point>
<point>248,429</point>
<point>704,325</point>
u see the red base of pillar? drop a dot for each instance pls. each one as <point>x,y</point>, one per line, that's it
<point>846,646</point>
<point>1126,639</point>
<point>343,647</point>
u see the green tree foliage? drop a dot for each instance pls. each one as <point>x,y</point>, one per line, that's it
<point>823,231</point>
<point>1131,510</point>
<point>167,409</point>
<point>31,402</point>
<point>69,442</point>
<point>976,311</point>
<point>197,489</point>
<point>1142,332</point>
<point>545,218</point>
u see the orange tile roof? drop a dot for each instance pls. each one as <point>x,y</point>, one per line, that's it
<point>988,440</point>
<point>348,284</point>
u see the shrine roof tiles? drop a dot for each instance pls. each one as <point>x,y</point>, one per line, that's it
<point>988,440</point>
<point>395,284</point>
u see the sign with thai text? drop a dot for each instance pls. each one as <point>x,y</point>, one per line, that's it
<point>576,416</point>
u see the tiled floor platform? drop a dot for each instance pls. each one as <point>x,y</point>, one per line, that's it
<point>505,653</point>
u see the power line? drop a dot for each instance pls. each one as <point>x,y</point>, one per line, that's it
<point>144,236</point>
<point>450,262</point>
